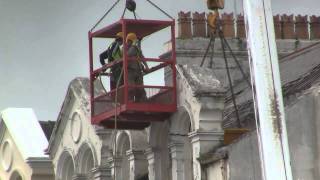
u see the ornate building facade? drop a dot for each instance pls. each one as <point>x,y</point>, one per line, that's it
<point>189,145</point>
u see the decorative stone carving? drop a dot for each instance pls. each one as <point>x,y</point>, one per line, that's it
<point>7,155</point>
<point>115,165</point>
<point>76,127</point>
<point>202,143</point>
<point>154,166</point>
<point>105,135</point>
<point>176,152</point>
<point>79,177</point>
<point>138,164</point>
<point>101,173</point>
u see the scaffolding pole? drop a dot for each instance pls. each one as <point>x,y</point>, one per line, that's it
<point>269,108</point>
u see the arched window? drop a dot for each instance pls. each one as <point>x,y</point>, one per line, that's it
<point>180,128</point>
<point>123,147</point>
<point>86,159</point>
<point>65,167</point>
<point>16,176</point>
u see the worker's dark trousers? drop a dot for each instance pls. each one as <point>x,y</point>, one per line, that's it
<point>116,72</point>
<point>135,77</point>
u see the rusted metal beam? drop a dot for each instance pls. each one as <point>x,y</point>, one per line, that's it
<point>269,109</point>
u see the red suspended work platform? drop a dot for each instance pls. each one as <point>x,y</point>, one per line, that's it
<point>161,100</point>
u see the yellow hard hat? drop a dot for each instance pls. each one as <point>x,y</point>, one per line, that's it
<point>119,34</point>
<point>132,37</point>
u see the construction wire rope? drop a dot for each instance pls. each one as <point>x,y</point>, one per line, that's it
<point>207,50</point>
<point>121,74</point>
<point>160,9</point>
<point>224,44</point>
<point>236,60</point>
<point>109,10</point>
<point>116,108</point>
<point>212,38</point>
<point>116,115</point>
<point>229,78</point>
<point>104,89</point>
<point>211,57</point>
<point>124,12</point>
<point>116,104</point>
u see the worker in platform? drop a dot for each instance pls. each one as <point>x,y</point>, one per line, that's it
<point>136,68</point>
<point>114,53</point>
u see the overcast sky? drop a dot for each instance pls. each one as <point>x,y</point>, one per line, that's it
<point>43,44</point>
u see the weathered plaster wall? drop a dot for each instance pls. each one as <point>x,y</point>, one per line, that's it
<point>301,126</point>
<point>76,133</point>
<point>244,161</point>
<point>191,51</point>
<point>17,163</point>
<point>216,171</point>
<point>303,123</point>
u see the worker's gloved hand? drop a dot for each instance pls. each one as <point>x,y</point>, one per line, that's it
<point>96,76</point>
<point>146,69</point>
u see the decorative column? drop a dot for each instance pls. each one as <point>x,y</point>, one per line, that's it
<point>154,164</point>
<point>227,25</point>
<point>277,26</point>
<point>176,152</point>
<point>241,31</point>
<point>184,25</point>
<point>137,163</point>
<point>115,165</point>
<point>314,27</point>
<point>105,136</point>
<point>302,27</point>
<point>202,143</point>
<point>101,173</point>
<point>199,24</point>
<point>287,27</point>
<point>208,135</point>
<point>80,177</point>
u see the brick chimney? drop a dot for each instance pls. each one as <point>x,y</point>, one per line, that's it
<point>199,24</point>
<point>184,25</point>
<point>287,27</point>
<point>277,26</point>
<point>314,27</point>
<point>227,22</point>
<point>302,27</point>
<point>241,31</point>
